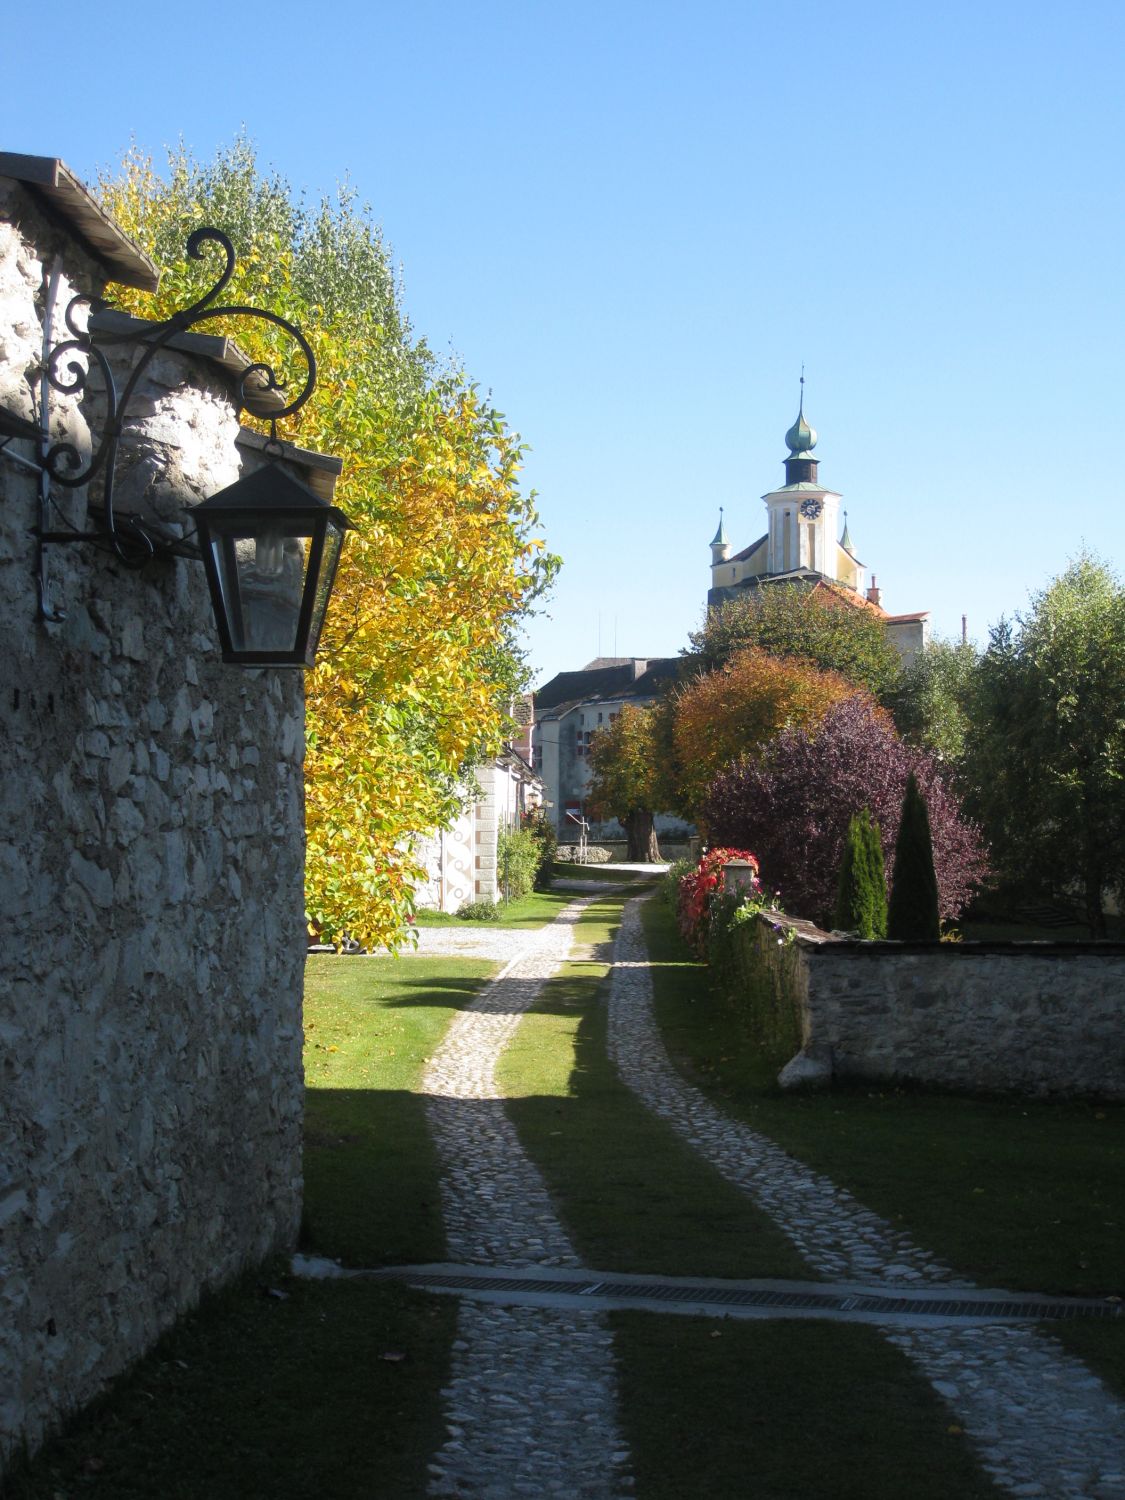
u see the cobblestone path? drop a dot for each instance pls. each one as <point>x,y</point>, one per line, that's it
<point>1042,1423</point>
<point>531,1402</point>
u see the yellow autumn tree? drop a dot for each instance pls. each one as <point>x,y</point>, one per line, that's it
<point>418,660</point>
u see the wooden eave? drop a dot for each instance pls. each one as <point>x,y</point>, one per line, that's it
<point>52,180</point>
<point>321,469</point>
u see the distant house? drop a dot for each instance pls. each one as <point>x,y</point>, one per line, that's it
<point>569,711</point>
<point>803,545</point>
<point>461,860</point>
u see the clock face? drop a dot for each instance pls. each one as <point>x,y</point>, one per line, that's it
<point>811,508</point>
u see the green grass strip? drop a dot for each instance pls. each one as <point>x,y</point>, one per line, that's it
<point>717,1408</point>
<point>632,1196</point>
<point>1019,1193</point>
<point>530,912</point>
<point>371,1174</point>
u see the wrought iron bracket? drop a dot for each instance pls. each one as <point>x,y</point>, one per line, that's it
<point>128,538</point>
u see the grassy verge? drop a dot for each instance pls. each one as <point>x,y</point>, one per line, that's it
<point>631,1194</point>
<point>535,910</point>
<point>1014,1192</point>
<point>259,1396</point>
<point>371,1175</point>
<point>825,1411</point>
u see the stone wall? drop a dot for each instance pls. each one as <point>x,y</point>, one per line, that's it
<point>1040,1018</point>
<point>151,901</point>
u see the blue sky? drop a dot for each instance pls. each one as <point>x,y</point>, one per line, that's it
<point>634,222</point>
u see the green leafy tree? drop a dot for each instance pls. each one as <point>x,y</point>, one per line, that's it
<point>626,783</point>
<point>1045,749</point>
<point>912,913</point>
<point>861,899</point>
<point>932,701</point>
<point>822,625</point>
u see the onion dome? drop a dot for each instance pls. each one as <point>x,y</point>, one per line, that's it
<point>801,438</point>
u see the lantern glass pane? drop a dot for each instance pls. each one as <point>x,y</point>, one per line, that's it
<point>333,541</point>
<point>262,581</point>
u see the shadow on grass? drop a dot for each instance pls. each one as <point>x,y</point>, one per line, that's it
<point>784,1408</point>
<point>372,1178</point>
<point>631,1194</point>
<point>256,1394</point>
<point>1015,1192</point>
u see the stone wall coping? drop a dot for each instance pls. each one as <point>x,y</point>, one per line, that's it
<point>70,198</point>
<point>261,401</point>
<point>814,940</point>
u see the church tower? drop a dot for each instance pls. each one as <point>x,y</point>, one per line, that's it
<point>803,546</point>
<point>803,515</point>
<point>803,524</point>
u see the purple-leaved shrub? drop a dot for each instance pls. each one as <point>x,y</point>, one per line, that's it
<point>792,805</point>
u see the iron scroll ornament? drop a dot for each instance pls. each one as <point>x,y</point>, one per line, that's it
<point>129,539</point>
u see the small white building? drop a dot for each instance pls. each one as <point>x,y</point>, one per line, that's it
<point>461,860</point>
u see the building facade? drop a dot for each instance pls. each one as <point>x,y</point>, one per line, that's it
<point>569,711</point>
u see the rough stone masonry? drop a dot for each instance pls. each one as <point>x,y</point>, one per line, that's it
<point>151,895</point>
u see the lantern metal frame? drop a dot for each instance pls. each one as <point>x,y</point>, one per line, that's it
<point>131,539</point>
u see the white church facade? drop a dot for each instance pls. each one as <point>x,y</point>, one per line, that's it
<point>803,545</point>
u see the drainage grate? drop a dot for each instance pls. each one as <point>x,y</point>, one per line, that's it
<point>872,1304</point>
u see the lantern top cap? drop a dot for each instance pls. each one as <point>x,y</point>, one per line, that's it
<point>270,488</point>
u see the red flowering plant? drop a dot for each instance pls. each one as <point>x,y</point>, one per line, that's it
<point>702,888</point>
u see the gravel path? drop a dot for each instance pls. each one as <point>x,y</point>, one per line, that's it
<point>1043,1424</point>
<point>531,1403</point>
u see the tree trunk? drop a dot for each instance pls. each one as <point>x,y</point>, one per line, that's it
<point>643,848</point>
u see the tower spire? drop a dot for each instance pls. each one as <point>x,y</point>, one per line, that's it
<point>720,543</point>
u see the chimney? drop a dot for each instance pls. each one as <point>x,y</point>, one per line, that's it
<point>873,595</point>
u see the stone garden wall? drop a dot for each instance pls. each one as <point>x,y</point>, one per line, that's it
<point>1039,1018</point>
<point>151,901</point>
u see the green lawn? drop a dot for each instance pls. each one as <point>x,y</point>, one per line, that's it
<point>1014,1192</point>
<point>632,1195</point>
<point>802,1409</point>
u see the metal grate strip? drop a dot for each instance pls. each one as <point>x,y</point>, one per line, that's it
<point>828,1302</point>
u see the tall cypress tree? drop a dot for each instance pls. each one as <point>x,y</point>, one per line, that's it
<point>912,915</point>
<point>861,899</point>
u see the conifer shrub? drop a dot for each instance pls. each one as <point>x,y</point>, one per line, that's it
<point>861,898</point>
<point>913,915</point>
